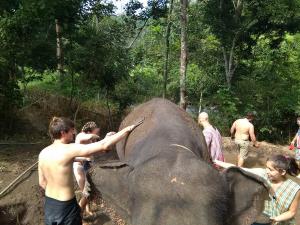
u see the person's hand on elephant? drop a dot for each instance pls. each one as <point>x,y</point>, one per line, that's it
<point>132,127</point>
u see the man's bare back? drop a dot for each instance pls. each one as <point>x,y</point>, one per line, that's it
<point>242,129</point>
<point>55,163</point>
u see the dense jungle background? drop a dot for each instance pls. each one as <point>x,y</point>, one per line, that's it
<point>87,60</point>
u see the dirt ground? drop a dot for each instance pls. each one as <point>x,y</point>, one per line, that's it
<point>26,196</point>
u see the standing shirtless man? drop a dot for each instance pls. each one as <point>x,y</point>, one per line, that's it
<point>56,170</point>
<point>241,130</point>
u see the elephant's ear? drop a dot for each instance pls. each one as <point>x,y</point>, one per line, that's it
<point>247,193</point>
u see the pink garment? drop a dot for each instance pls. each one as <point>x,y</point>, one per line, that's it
<point>214,143</point>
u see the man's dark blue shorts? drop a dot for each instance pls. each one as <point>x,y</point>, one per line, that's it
<point>62,212</point>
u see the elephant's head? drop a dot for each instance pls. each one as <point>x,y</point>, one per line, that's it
<point>246,195</point>
<point>235,196</point>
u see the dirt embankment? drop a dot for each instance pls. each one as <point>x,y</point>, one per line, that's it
<point>257,156</point>
<point>24,204</point>
<point>31,122</point>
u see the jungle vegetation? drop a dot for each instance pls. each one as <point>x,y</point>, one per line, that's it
<point>223,57</point>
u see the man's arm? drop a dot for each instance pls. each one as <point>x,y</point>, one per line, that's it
<point>252,136</point>
<point>82,159</point>
<point>257,171</point>
<point>83,138</point>
<point>103,145</point>
<point>42,179</point>
<point>223,164</point>
<point>110,134</point>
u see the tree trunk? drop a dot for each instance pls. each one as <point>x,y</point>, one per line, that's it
<point>76,112</point>
<point>200,103</point>
<point>168,31</point>
<point>229,64</point>
<point>140,31</point>
<point>72,89</point>
<point>59,49</point>
<point>183,55</point>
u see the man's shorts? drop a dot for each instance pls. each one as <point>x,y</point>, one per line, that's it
<point>62,212</point>
<point>242,148</point>
<point>86,166</point>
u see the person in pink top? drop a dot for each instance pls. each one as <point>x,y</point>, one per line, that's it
<point>212,137</point>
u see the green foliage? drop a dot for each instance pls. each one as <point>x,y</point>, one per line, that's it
<point>272,91</point>
<point>155,9</point>
<point>225,109</point>
<point>143,84</point>
<point>272,17</point>
<point>98,52</point>
<point>10,100</point>
<point>100,66</point>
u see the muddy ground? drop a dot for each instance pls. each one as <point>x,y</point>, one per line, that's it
<point>27,196</point>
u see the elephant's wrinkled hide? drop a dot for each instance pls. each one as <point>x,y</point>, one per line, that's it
<point>169,179</point>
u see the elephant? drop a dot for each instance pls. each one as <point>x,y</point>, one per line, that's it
<point>164,175</point>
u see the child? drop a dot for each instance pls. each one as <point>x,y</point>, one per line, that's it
<point>284,193</point>
<point>89,133</point>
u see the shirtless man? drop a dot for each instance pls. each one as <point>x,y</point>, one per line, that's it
<point>241,130</point>
<point>56,171</point>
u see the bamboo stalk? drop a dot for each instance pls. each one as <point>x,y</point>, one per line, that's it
<point>15,180</point>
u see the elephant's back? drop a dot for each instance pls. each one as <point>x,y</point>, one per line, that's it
<point>164,124</point>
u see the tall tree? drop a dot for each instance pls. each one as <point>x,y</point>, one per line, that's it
<point>65,15</point>
<point>238,24</point>
<point>59,47</point>
<point>135,11</point>
<point>183,52</point>
<point>167,40</point>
